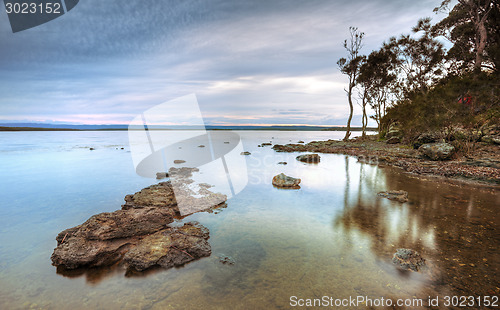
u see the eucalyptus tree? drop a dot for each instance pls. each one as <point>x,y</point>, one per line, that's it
<point>350,67</point>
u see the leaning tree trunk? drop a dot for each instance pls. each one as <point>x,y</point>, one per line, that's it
<point>351,111</point>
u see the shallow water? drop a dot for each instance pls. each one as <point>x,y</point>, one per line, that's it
<point>333,237</point>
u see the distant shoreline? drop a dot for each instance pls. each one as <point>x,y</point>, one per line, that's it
<point>267,128</point>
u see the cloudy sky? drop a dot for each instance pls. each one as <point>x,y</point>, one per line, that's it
<point>248,62</point>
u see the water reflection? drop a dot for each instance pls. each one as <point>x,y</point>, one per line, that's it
<point>458,236</point>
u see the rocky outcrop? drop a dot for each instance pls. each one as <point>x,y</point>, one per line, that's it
<point>437,151</point>
<point>157,195</point>
<point>170,247</point>
<point>139,234</point>
<point>284,181</point>
<point>407,259</point>
<point>401,196</point>
<point>393,131</point>
<point>105,237</point>
<point>309,158</point>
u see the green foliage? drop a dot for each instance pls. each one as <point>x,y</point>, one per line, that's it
<point>467,102</point>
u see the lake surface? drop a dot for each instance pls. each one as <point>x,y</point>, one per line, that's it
<point>332,237</point>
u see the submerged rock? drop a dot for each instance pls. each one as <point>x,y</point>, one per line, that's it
<point>437,151</point>
<point>226,260</point>
<point>170,247</point>
<point>161,175</point>
<point>245,153</point>
<point>408,259</point>
<point>401,196</point>
<point>309,158</point>
<point>282,180</point>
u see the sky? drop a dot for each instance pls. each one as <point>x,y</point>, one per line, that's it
<point>247,62</point>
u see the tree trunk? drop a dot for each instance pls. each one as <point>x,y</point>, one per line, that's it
<point>351,111</point>
<point>481,38</point>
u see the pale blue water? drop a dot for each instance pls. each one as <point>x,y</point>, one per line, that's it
<point>334,236</point>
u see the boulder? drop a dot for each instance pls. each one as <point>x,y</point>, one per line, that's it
<point>401,196</point>
<point>437,151</point>
<point>424,138</point>
<point>309,158</point>
<point>282,180</point>
<point>408,259</point>
<point>170,247</point>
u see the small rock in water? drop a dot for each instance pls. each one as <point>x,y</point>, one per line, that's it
<point>309,158</point>
<point>179,161</point>
<point>282,180</point>
<point>161,175</point>
<point>91,149</point>
<point>226,260</point>
<point>401,196</point>
<point>282,163</point>
<point>201,145</point>
<point>266,143</point>
<point>408,259</point>
<point>245,153</point>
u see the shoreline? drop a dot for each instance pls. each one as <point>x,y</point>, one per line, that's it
<point>482,169</point>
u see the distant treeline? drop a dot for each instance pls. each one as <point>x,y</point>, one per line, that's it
<point>124,127</point>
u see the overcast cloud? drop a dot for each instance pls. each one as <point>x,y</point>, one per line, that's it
<point>248,62</point>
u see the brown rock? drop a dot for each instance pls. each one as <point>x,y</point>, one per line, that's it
<point>407,259</point>
<point>121,224</point>
<point>170,247</point>
<point>282,180</point>
<point>309,158</point>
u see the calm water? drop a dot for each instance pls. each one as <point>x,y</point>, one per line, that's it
<point>333,237</point>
